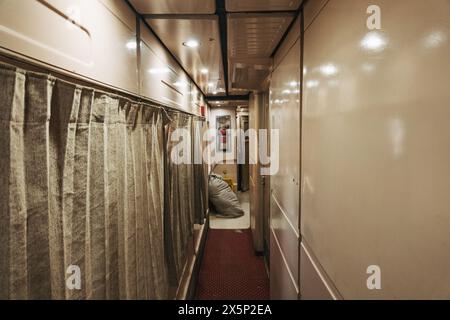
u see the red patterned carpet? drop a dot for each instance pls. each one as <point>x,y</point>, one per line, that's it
<point>230,269</point>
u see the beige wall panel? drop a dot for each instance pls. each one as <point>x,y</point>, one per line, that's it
<point>312,10</point>
<point>289,41</point>
<point>97,47</point>
<point>256,210</point>
<point>161,77</point>
<point>282,285</point>
<point>286,235</point>
<point>376,134</point>
<point>314,285</point>
<point>122,11</point>
<point>285,117</point>
<point>285,184</point>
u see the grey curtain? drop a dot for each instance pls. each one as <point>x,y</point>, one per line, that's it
<point>81,184</point>
<point>180,196</point>
<point>200,171</point>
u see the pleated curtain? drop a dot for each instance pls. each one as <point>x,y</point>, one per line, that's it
<point>82,184</point>
<point>180,196</point>
<point>200,171</point>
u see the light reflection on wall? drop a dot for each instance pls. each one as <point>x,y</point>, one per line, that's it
<point>312,84</point>
<point>329,70</point>
<point>374,41</point>
<point>435,39</point>
<point>397,136</point>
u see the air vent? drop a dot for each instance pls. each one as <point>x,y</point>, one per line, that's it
<point>256,35</point>
<point>262,5</point>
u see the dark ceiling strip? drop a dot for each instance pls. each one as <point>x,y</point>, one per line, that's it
<point>223,25</point>
<point>229,98</point>
<point>258,14</point>
<point>165,47</point>
<point>291,25</point>
<point>206,15</point>
<point>180,16</point>
<point>264,12</point>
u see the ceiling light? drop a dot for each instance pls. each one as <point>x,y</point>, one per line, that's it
<point>191,43</point>
<point>204,71</point>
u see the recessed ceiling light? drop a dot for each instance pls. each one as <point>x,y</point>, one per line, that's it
<point>211,84</point>
<point>214,92</point>
<point>191,43</point>
<point>204,71</point>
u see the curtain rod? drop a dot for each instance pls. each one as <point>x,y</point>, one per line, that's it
<point>30,63</point>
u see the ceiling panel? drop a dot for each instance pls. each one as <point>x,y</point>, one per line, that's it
<point>252,38</point>
<point>174,6</point>
<point>257,35</point>
<point>228,103</point>
<point>237,91</point>
<point>262,5</point>
<point>174,32</point>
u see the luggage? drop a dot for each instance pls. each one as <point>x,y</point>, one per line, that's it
<point>224,200</point>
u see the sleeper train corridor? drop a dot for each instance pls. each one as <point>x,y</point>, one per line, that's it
<point>224,150</point>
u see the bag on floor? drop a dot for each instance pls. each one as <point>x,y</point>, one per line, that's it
<point>224,200</point>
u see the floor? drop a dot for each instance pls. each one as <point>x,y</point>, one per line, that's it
<point>237,223</point>
<point>230,269</point>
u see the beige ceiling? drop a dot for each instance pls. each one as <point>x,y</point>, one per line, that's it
<point>252,38</point>
<point>174,6</point>
<point>229,103</point>
<point>262,5</point>
<point>173,32</point>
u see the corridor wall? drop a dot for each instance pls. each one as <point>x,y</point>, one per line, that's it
<point>285,184</point>
<point>96,40</point>
<point>375,146</point>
